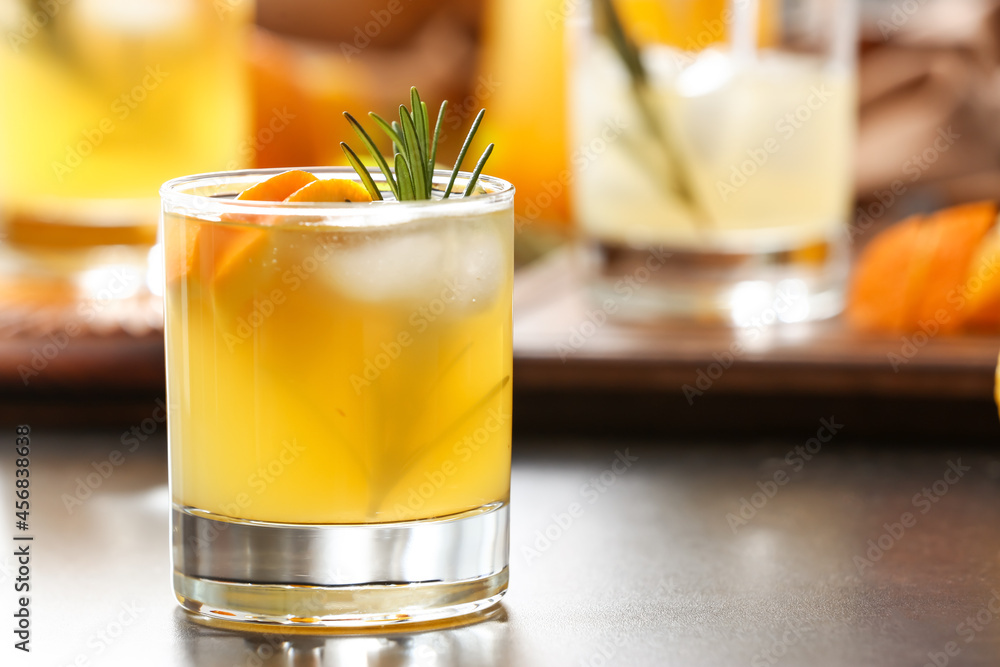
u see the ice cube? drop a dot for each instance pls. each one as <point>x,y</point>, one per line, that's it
<point>460,263</point>
<point>387,266</point>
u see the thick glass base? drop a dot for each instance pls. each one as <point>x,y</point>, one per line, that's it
<point>734,288</point>
<point>353,575</point>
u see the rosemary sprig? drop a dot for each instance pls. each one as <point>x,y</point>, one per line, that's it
<point>610,23</point>
<point>411,176</point>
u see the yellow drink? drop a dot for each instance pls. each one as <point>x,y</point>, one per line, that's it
<point>106,99</point>
<point>327,374</point>
<point>766,146</point>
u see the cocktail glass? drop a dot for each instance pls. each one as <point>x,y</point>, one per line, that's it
<point>712,165</point>
<point>339,392</point>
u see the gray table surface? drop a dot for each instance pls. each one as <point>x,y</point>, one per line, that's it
<point>651,572</point>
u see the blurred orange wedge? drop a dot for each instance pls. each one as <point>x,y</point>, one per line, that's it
<point>920,270</point>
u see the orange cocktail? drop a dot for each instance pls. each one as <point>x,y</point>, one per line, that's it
<point>339,382</point>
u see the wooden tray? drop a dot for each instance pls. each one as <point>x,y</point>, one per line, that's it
<point>556,346</point>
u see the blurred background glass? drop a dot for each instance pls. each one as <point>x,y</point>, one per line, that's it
<point>721,136</point>
<point>106,99</point>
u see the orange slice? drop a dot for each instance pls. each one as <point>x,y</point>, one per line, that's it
<point>215,247</point>
<point>278,187</point>
<point>331,190</point>
<point>230,243</point>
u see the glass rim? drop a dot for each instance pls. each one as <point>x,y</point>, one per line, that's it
<point>176,196</point>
